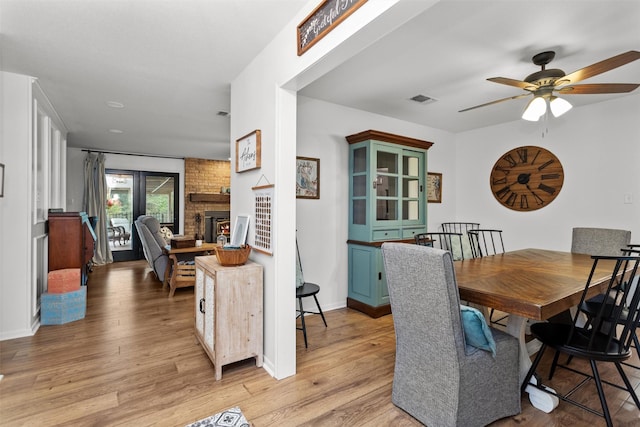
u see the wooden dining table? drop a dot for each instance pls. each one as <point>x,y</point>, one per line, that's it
<point>529,284</point>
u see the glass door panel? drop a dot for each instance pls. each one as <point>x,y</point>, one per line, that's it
<point>134,193</point>
<point>386,186</point>
<point>386,210</point>
<point>160,197</point>
<point>411,186</point>
<point>120,200</point>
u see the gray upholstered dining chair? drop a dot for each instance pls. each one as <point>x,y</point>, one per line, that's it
<point>439,379</point>
<point>599,241</point>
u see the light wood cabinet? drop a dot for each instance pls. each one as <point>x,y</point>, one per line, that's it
<point>228,311</point>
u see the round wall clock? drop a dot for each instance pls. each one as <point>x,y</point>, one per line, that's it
<point>526,178</point>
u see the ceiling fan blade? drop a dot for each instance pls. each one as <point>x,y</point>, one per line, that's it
<point>513,82</point>
<point>495,102</point>
<point>598,88</point>
<point>599,68</point>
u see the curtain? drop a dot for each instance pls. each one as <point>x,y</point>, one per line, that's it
<point>95,196</point>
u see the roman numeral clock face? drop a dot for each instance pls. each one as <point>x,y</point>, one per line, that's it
<point>526,178</point>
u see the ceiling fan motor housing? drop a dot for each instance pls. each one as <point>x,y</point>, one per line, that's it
<point>545,77</point>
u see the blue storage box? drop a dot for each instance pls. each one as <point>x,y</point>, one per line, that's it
<point>56,309</point>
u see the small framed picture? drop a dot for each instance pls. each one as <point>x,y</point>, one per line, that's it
<point>248,152</point>
<point>1,180</point>
<point>307,178</point>
<point>434,187</point>
<point>239,235</point>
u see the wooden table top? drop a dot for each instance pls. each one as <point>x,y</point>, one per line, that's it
<point>205,247</point>
<point>532,283</point>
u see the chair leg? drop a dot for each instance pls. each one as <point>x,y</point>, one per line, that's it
<point>603,402</point>
<point>320,311</point>
<point>554,364</point>
<point>633,394</point>
<point>304,327</point>
<point>533,367</point>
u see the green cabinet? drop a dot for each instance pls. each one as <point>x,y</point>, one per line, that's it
<point>387,202</point>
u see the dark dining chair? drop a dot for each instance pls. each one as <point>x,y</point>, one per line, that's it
<point>305,289</point>
<point>592,306</point>
<point>456,243</point>
<point>459,227</point>
<point>600,341</point>
<point>487,242</point>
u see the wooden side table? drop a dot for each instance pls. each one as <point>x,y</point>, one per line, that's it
<point>184,275</point>
<point>228,311</point>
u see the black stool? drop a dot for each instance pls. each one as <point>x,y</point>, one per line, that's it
<point>308,290</point>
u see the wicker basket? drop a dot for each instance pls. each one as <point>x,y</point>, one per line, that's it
<point>230,257</point>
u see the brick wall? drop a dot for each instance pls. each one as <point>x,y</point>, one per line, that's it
<point>203,176</point>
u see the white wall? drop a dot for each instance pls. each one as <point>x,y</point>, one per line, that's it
<point>599,148</point>
<point>263,97</point>
<point>75,174</point>
<point>322,224</point>
<point>598,145</point>
<point>31,153</point>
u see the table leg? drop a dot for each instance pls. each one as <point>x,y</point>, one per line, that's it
<point>516,326</point>
<point>174,271</point>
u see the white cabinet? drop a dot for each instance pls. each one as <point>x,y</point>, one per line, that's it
<point>33,150</point>
<point>228,311</point>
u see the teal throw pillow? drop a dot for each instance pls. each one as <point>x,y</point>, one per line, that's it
<point>476,330</point>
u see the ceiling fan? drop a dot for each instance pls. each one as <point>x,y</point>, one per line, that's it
<point>544,83</point>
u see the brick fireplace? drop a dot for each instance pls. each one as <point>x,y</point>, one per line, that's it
<point>203,180</point>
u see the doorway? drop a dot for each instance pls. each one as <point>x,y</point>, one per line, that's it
<point>134,193</point>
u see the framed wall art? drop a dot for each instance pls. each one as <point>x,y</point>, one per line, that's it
<point>248,152</point>
<point>323,19</point>
<point>307,178</point>
<point>263,204</point>
<point>434,187</point>
<point>1,180</point>
<point>239,235</point>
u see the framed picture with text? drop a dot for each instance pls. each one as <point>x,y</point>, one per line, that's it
<point>323,19</point>
<point>248,152</point>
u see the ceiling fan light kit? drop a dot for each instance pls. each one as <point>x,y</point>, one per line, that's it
<point>535,109</point>
<point>559,106</point>
<point>542,84</point>
<point>538,106</point>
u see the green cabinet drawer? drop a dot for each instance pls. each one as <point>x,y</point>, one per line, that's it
<point>409,233</point>
<point>386,234</point>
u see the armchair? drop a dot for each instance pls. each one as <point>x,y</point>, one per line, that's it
<point>153,244</point>
<point>438,378</point>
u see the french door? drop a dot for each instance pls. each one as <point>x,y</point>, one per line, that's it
<point>134,193</point>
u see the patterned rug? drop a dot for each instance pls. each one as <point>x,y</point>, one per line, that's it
<point>232,417</point>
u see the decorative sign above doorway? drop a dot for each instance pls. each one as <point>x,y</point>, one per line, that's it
<point>323,19</point>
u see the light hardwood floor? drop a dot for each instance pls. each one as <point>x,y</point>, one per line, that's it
<point>134,360</point>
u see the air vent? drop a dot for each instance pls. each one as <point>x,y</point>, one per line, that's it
<point>423,99</point>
